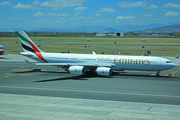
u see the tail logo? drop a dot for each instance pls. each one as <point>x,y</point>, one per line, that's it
<point>30,46</point>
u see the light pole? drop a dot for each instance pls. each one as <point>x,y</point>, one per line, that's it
<point>143,45</point>
<point>85,49</point>
<point>115,47</point>
<point>39,41</point>
<point>89,44</point>
<point>17,47</point>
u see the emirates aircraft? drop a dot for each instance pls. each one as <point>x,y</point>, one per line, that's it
<point>103,65</point>
<point>2,48</point>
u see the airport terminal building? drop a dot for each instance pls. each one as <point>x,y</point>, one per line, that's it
<point>111,34</point>
<point>145,34</point>
<point>126,34</point>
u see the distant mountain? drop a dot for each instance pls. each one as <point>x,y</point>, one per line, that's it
<point>48,30</point>
<point>110,30</point>
<point>10,29</point>
<point>169,28</point>
<point>90,28</point>
<point>130,27</point>
<point>122,28</point>
<point>77,29</point>
<point>100,28</point>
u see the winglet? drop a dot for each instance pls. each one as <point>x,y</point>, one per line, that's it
<point>93,53</point>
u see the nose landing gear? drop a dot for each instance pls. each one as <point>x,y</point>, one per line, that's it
<point>157,75</point>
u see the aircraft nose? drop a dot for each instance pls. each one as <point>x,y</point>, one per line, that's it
<point>173,65</point>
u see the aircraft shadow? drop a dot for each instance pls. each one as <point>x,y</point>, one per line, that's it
<point>128,74</point>
<point>87,75</point>
<point>139,75</point>
<point>83,78</point>
<point>34,70</point>
<point>79,77</point>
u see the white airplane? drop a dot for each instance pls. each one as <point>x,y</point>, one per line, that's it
<point>2,48</point>
<point>103,65</point>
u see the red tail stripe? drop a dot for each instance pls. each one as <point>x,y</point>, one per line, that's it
<point>38,53</point>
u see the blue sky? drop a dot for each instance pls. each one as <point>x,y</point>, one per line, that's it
<point>31,14</point>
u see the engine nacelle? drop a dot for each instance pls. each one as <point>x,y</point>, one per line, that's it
<point>77,70</point>
<point>104,71</point>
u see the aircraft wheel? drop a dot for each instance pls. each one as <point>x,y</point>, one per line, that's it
<point>157,75</point>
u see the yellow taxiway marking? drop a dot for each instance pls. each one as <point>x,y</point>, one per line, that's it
<point>165,75</point>
<point>43,69</point>
<point>19,74</point>
<point>20,69</point>
<point>62,71</point>
<point>13,74</point>
<point>1,76</point>
<point>153,74</point>
<point>174,74</point>
<point>176,71</point>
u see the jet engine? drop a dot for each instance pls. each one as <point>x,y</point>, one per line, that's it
<point>104,71</point>
<point>77,70</point>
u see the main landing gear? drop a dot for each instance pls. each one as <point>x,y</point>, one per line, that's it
<point>157,75</point>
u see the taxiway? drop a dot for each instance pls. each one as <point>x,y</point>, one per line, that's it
<point>19,78</point>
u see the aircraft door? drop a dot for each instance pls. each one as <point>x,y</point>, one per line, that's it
<point>157,64</point>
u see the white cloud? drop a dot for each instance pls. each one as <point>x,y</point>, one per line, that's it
<point>39,14</point>
<point>152,6</point>
<point>79,10</point>
<point>173,5</point>
<point>96,21</point>
<point>147,15</point>
<point>6,3</point>
<point>51,14</point>
<point>22,6</point>
<point>77,13</point>
<point>82,17</point>
<point>97,14</point>
<point>65,21</point>
<point>57,21</point>
<point>136,4</point>
<point>125,17</point>
<point>60,4</point>
<point>37,2</point>
<point>106,10</point>
<point>87,21</point>
<point>172,13</point>
<point>62,14</point>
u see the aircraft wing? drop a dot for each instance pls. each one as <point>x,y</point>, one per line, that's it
<point>77,64</point>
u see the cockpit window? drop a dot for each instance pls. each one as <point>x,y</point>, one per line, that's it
<point>168,61</point>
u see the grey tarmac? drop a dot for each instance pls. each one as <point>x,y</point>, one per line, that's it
<point>33,92</point>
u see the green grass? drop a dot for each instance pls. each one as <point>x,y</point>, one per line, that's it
<point>130,50</point>
<point>93,40</point>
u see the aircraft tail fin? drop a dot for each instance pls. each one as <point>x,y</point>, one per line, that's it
<point>27,44</point>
